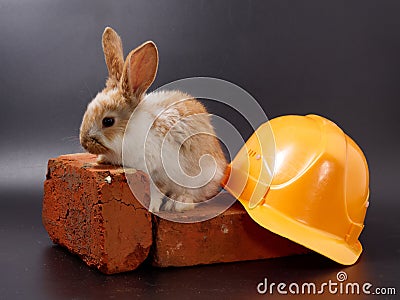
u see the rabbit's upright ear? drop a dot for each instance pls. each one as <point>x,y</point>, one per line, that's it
<point>139,71</point>
<point>113,54</point>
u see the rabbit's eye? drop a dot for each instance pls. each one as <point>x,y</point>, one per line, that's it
<point>108,122</point>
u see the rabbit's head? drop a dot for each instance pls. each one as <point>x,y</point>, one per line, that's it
<point>107,115</point>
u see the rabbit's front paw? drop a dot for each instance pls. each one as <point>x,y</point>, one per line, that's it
<point>181,204</point>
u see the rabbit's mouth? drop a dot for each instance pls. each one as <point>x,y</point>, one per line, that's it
<point>94,146</point>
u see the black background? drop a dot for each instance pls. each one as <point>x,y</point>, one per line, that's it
<point>338,59</point>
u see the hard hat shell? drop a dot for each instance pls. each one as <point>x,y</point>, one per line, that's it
<point>317,194</point>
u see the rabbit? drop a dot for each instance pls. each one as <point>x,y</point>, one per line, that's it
<point>169,135</point>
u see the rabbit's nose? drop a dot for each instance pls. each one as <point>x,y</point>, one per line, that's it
<point>84,140</point>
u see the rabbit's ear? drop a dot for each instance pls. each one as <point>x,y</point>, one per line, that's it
<point>113,54</point>
<point>139,71</point>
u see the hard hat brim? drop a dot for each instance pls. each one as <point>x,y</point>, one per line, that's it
<point>319,241</point>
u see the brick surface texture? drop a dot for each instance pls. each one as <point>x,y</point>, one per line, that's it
<point>90,210</point>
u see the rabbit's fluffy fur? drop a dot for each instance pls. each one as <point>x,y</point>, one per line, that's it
<point>168,134</point>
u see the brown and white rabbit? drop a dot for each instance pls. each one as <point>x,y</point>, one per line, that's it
<point>169,134</point>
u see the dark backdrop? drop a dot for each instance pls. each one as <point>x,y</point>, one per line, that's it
<point>339,59</point>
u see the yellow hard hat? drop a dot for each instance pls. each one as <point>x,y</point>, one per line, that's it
<point>313,190</point>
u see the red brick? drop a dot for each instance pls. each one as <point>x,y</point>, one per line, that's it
<point>228,237</point>
<point>101,222</point>
<point>109,229</point>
